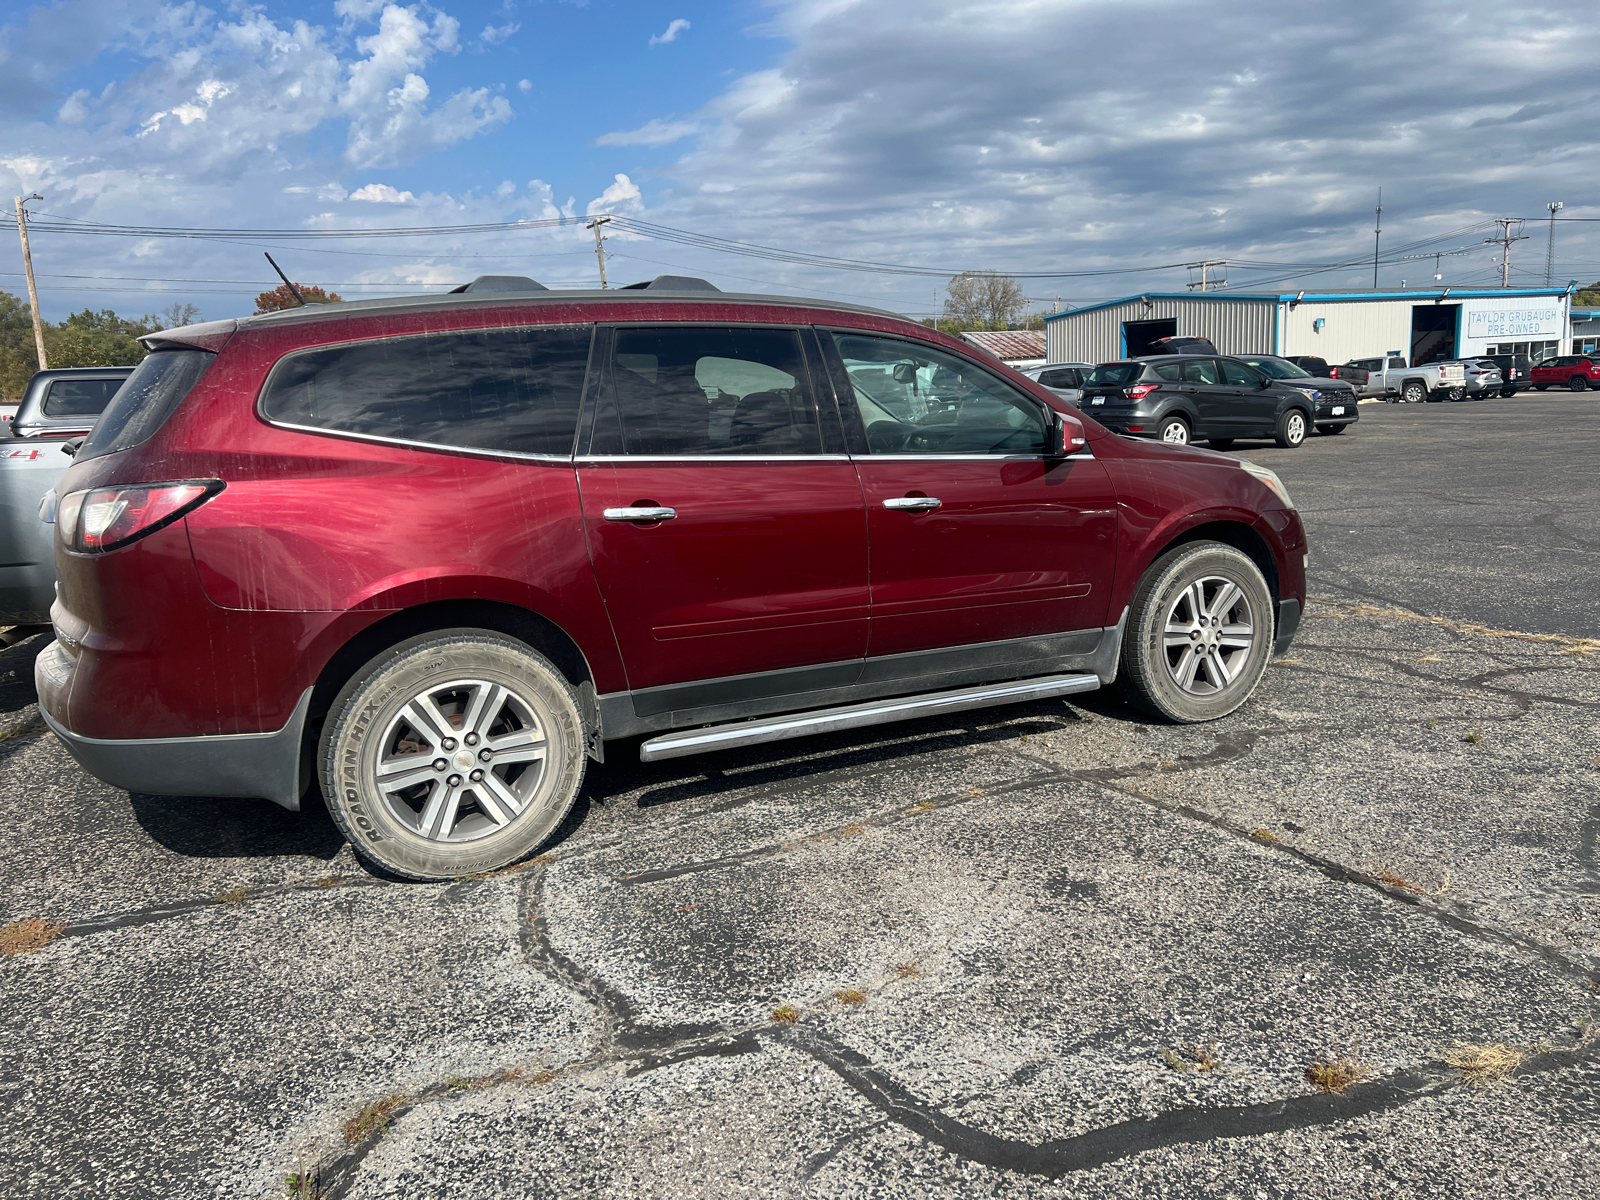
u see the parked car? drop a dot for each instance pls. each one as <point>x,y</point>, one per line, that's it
<point>1577,372</point>
<point>1318,368</point>
<point>1335,402</point>
<point>1182,345</point>
<point>1181,398</point>
<point>57,405</point>
<point>1391,379</point>
<point>1482,379</point>
<point>1064,379</point>
<point>433,552</point>
<point>1356,376</point>
<point>1514,371</point>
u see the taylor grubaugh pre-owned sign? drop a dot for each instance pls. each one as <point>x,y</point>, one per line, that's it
<point>1545,321</point>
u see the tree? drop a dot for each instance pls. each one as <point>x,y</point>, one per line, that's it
<point>1588,297</point>
<point>280,297</point>
<point>982,300</point>
<point>85,339</point>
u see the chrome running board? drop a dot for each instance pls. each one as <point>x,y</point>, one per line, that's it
<point>853,716</point>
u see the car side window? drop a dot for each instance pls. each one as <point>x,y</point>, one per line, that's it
<point>79,397</point>
<point>1398,362</point>
<point>1061,377</point>
<point>916,399</point>
<point>1170,371</point>
<point>690,390</point>
<point>1238,375</point>
<point>512,390</point>
<point>1200,370</point>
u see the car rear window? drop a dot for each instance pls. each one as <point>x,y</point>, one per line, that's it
<point>1061,377</point>
<point>79,397</point>
<point>145,401</point>
<point>509,390</point>
<point>1114,374</point>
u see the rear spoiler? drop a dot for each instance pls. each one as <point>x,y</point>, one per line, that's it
<point>208,335</point>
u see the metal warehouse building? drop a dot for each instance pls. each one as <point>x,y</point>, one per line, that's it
<point>1421,324</point>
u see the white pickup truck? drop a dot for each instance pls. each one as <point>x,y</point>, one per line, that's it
<point>1389,377</point>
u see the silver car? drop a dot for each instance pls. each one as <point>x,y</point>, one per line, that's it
<point>1482,380</point>
<point>1064,379</point>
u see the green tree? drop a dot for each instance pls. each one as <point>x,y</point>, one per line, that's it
<point>1588,297</point>
<point>85,339</point>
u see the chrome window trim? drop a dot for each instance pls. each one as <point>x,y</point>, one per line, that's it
<point>711,458</point>
<point>441,447</point>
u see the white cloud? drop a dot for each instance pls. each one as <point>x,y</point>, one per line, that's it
<point>382,193</point>
<point>622,196</point>
<point>651,133</point>
<point>525,85</point>
<point>493,35</point>
<point>671,33</point>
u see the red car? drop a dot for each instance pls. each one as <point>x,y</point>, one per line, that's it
<point>1578,372</point>
<point>433,553</point>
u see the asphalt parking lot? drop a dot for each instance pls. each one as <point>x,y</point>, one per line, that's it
<point>1051,950</point>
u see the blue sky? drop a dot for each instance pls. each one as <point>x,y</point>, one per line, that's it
<point>1021,135</point>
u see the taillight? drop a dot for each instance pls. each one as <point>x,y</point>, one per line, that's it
<point>1139,390</point>
<point>1333,372</point>
<point>104,519</point>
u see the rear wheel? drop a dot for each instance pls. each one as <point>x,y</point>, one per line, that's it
<point>1199,634</point>
<point>1508,392</point>
<point>1414,392</point>
<point>1291,431</point>
<point>454,753</point>
<point>1175,431</point>
<point>1455,394</point>
<point>1578,383</point>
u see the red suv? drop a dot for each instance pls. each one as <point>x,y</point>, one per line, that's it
<point>435,552</point>
<point>1580,372</point>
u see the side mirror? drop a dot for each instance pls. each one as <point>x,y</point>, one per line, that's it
<point>1067,435</point>
<point>1265,382</point>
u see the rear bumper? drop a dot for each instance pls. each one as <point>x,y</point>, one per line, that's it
<point>259,765</point>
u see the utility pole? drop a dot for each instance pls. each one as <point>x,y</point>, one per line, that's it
<point>27,265</point>
<point>1504,242</point>
<point>1377,238</point>
<point>599,247</point>
<point>1205,267</point>
<point>1554,206</point>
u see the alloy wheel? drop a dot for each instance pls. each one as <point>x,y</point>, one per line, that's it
<point>1208,635</point>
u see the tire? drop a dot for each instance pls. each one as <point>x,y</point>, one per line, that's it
<point>453,813</point>
<point>1539,387</point>
<point>1291,431</point>
<point>1174,431</point>
<point>1331,430</point>
<point>1578,383</point>
<point>1507,393</point>
<point>1220,678</point>
<point>1414,391</point>
<point>1221,443</point>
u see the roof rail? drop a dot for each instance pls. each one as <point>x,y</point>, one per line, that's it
<point>501,283</point>
<point>671,283</point>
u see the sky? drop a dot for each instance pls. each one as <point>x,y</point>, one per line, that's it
<point>1049,137</point>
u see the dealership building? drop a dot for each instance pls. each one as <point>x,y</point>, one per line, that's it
<point>1422,324</point>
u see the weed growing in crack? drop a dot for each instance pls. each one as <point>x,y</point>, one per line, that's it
<point>27,935</point>
<point>907,971</point>
<point>1337,1071</point>
<point>1389,878</point>
<point>853,830</point>
<point>233,895</point>
<point>1473,738</point>
<point>542,1077</point>
<point>304,1184</point>
<point>1190,1057</point>
<point>457,1083</point>
<point>1264,835</point>
<point>330,881</point>
<point>374,1118</point>
<point>849,996</point>
<point>1483,1066</point>
<point>918,809</point>
<point>786,1014</point>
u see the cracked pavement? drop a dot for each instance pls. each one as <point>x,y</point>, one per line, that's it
<point>996,932</point>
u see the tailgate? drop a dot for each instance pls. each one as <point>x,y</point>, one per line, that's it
<point>1452,373</point>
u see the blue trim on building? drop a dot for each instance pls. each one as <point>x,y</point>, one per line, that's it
<point>1420,295</point>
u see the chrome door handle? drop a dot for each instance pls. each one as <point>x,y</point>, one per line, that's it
<point>912,503</point>
<point>639,514</point>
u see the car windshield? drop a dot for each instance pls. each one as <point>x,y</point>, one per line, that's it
<point>1278,368</point>
<point>1114,374</point>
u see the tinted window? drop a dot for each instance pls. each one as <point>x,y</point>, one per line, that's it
<point>690,391</point>
<point>1170,370</point>
<point>1061,377</point>
<point>144,402</point>
<point>1239,375</point>
<point>513,390</point>
<point>1277,368</point>
<point>79,397</point>
<point>915,399</point>
<point>1396,362</point>
<point>1114,374</point>
<point>1200,370</point>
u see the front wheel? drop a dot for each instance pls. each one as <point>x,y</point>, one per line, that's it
<point>451,754</point>
<point>1578,383</point>
<point>1291,431</point>
<point>1175,431</point>
<point>1199,634</point>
